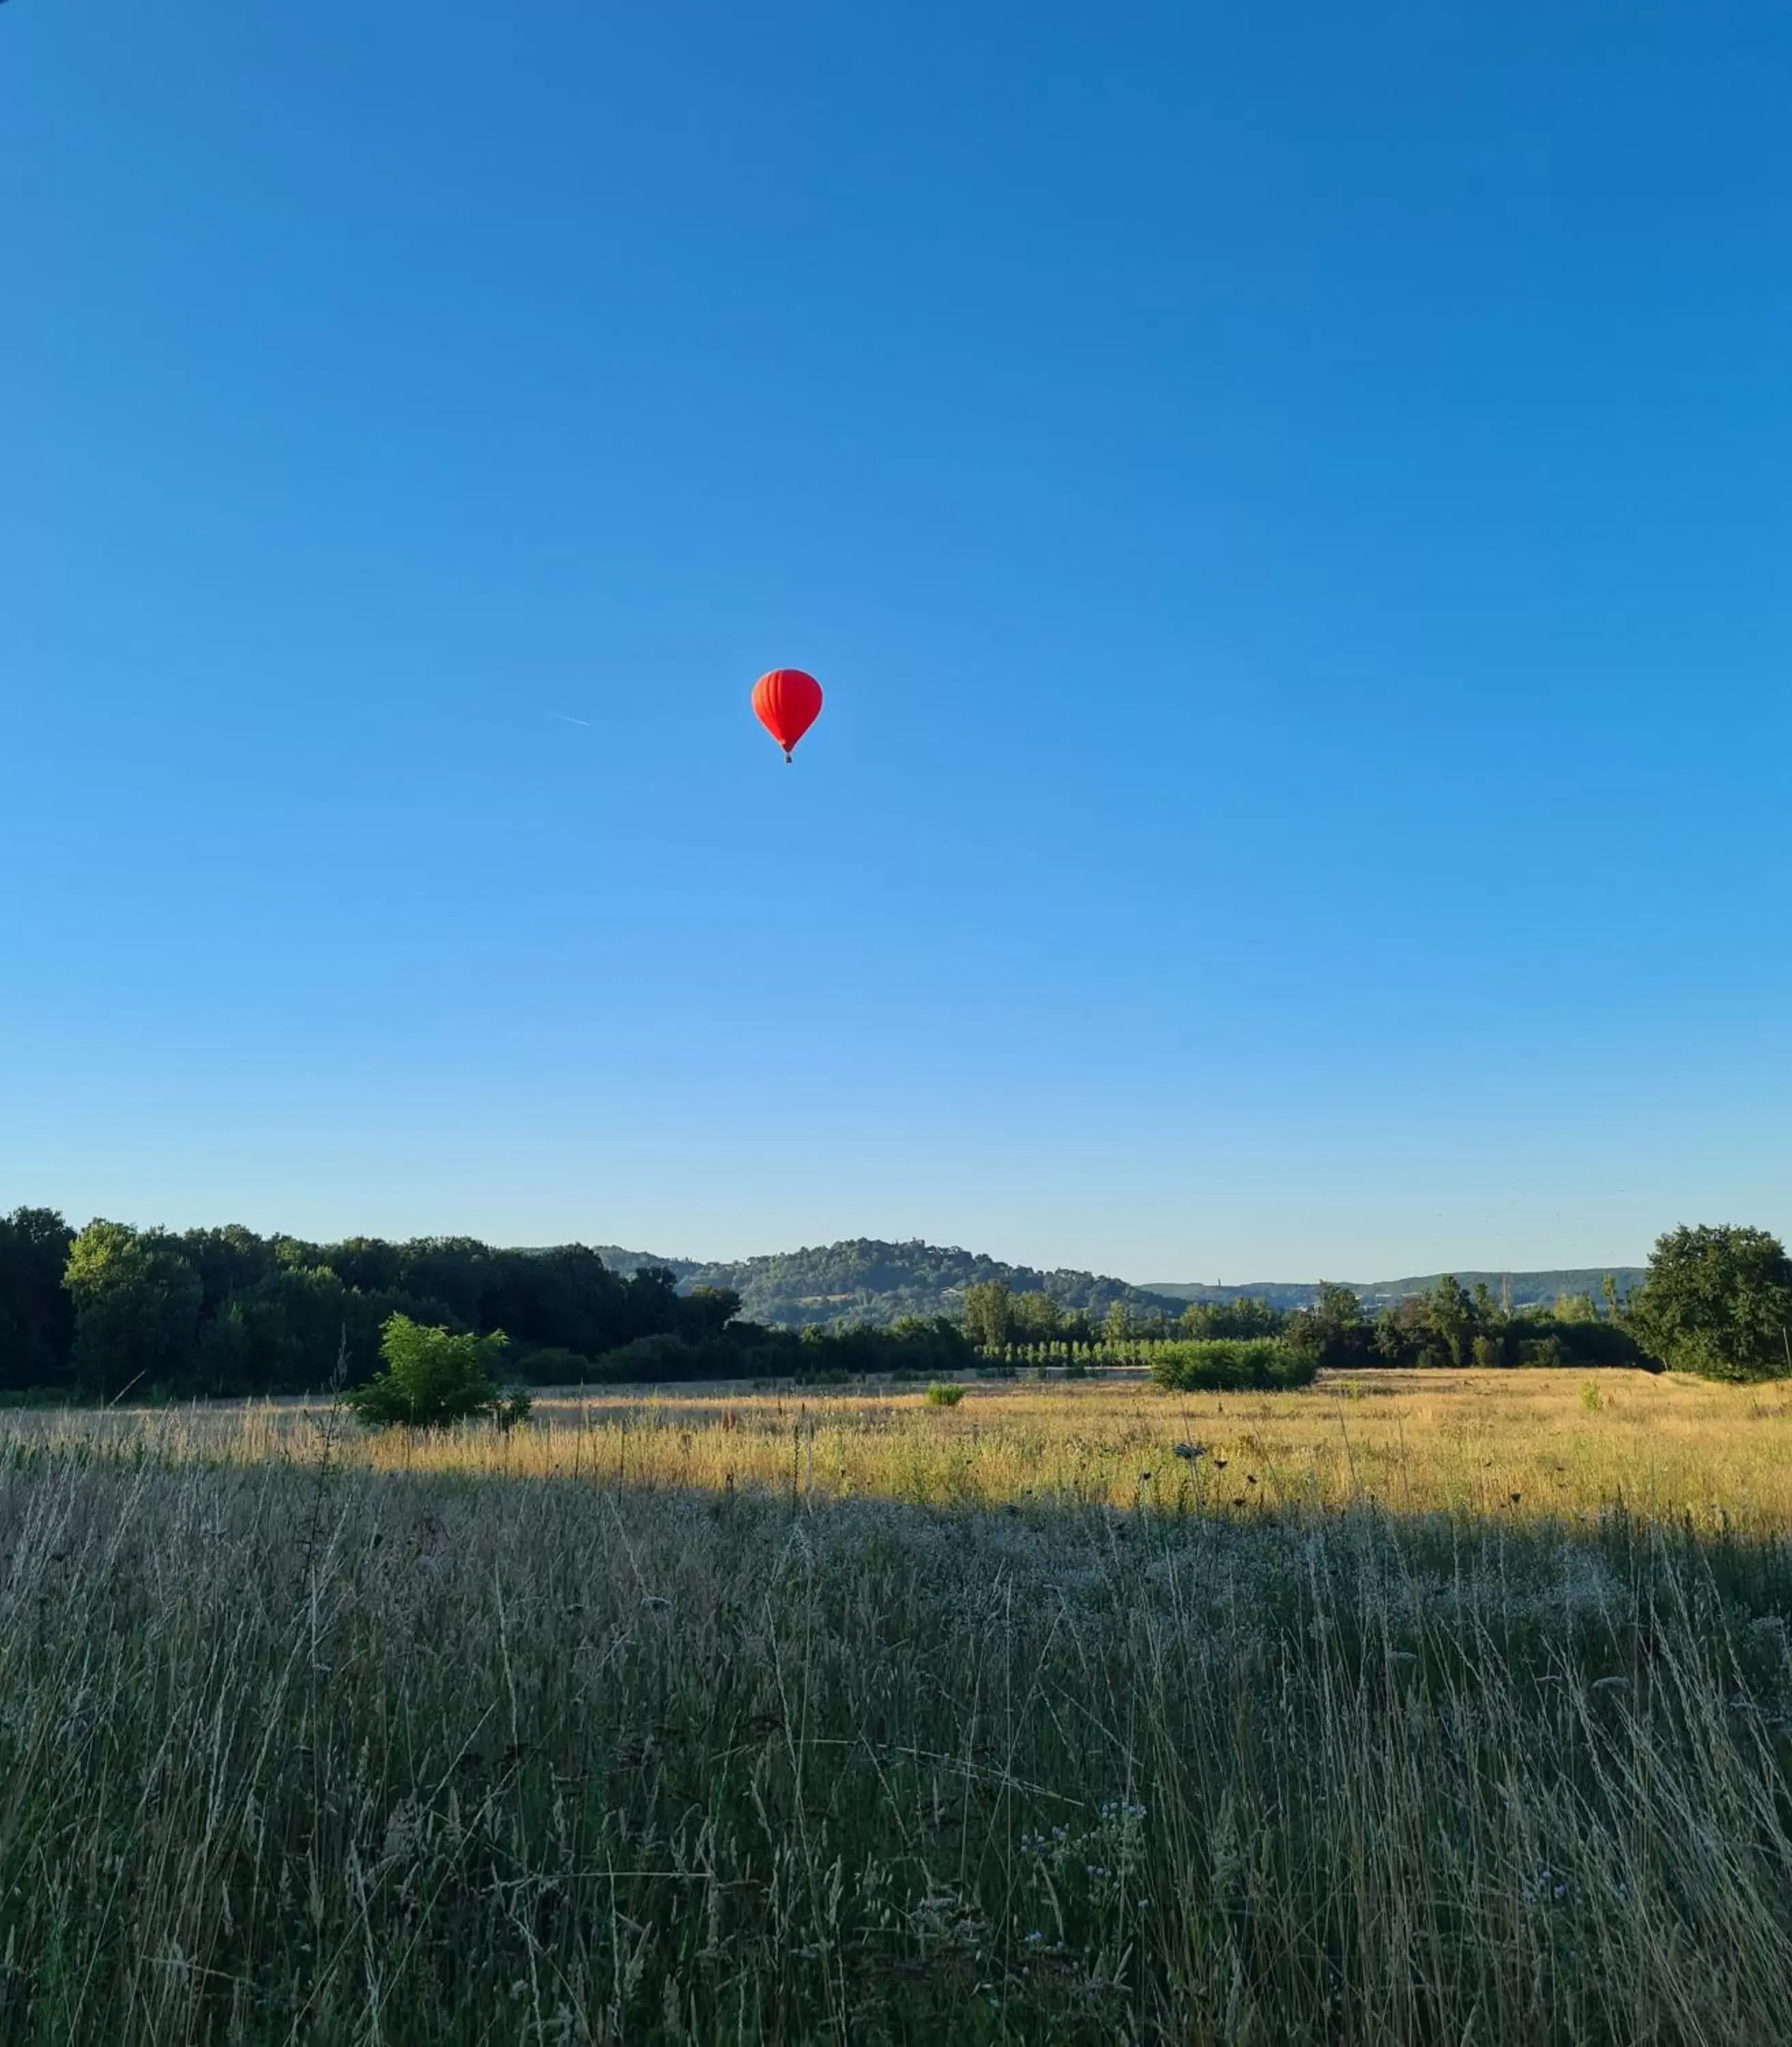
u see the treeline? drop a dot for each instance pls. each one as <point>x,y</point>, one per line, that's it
<point>1451,1325</point>
<point>1717,1299</point>
<point>919,1346</point>
<point>112,1310</point>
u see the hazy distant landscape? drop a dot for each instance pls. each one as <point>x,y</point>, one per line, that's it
<point>868,1280</point>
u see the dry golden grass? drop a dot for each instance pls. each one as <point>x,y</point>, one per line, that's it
<point>1566,1445</point>
<point>312,1736</point>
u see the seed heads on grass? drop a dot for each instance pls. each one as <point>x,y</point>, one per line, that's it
<point>840,1781</point>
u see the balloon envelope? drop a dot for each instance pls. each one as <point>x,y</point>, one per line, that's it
<point>787,702</point>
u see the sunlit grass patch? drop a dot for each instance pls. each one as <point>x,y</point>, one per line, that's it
<point>1523,1444</point>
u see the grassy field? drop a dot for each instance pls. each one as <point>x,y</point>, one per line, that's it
<point>736,1718</point>
<point>1567,1446</point>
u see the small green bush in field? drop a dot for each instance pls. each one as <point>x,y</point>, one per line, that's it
<point>433,1377</point>
<point>1228,1365</point>
<point>942,1395</point>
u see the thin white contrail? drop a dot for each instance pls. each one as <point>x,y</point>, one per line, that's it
<point>564,720</point>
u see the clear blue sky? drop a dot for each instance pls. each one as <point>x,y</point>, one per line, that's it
<point>1291,506</point>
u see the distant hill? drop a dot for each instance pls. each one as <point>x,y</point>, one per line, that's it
<point>1278,1292</point>
<point>865,1279</point>
<point>1528,1288</point>
<point>619,1260</point>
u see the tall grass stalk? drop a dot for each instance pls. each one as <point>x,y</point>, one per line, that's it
<point>566,1760</point>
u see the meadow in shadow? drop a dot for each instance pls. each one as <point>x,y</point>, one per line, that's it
<point>299,1748</point>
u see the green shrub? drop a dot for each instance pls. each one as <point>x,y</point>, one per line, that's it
<point>1228,1364</point>
<point>1548,1352</point>
<point>1548,1342</point>
<point>943,1394</point>
<point>553,1365</point>
<point>433,1377</point>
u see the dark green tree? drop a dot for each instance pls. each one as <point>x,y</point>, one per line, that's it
<point>1450,1313</point>
<point>706,1311</point>
<point>370,1264</point>
<point>1576,1308</point>
<point>1037,1318</point>
<point>137,1300</point>
<point>229,1261</point>
<point>1331,1329</point>
<point>1242,1318</point>
<point>1403,1336</point>
<point>1717,1301</point>
<point>989,1314</point>
<point>284,1334</point>
<point>36,1315</point>
<point>566,1299</point>
<point>1077,1329</point>
<point>1490,1338</point>
<point>1123,1323</point>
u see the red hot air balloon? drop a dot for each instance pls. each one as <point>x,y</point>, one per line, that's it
<point>787,702</point>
